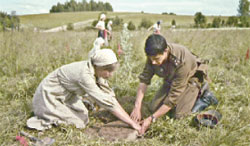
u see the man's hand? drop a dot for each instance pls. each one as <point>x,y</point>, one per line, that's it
<point>145,125</point>
<point>136,114</point>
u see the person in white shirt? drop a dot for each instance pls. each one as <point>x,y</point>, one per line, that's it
<point>98,43</point>
<point>101,26</point>
<point>103,32</point>
<point>109,27</point>
<point>156,27</point>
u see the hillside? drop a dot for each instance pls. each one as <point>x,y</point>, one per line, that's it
<point>47,21</point>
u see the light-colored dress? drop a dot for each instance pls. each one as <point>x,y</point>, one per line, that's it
<point>156,28</point>
<point>58,97</point>
<point>101,25</point>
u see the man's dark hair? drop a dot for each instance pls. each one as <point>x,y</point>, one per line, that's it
<point>155,44</point>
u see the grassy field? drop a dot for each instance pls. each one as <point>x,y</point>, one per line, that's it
<point>27,57</point>
<point>46,21</point>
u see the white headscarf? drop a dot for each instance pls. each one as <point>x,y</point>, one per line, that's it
<point>110,22</point>
<point>103,16</point>
<point>96,46</point>
<point>104,57</point>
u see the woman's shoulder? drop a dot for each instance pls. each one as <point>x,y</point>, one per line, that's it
<point>74,67</point>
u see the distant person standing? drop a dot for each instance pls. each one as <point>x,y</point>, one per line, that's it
<point>101,27</point>
<point>156,27</point>
<point>109,27</point>
<point>98,43</point>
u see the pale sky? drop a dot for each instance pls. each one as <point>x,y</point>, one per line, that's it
<point>184,7</point>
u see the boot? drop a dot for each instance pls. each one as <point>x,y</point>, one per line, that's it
<point>209,98</point>
<point>204,101</point>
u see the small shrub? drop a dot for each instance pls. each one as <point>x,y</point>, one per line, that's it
<point>8,21</point>
<point>173,22</point>
<point>145,23</point>
<point>209,25</point>
<point>171,13</point>
<point>87,28</point>
<point>222,22</point>
<point>164,13</point>
<point>107,21</point>
<point>200,20</point>
<point>216,22</point>
<point>131,26</point>
<point>117,23</point>
<point>94,23</point>
<point>70,26</point>
<point>1,27</point>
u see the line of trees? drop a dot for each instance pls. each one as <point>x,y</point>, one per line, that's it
<point>73,6</point>
<point>9,21</point>
<point>232,21</point>
<point>242,20</point>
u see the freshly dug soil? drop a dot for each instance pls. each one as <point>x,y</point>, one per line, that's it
<point>112,131</point>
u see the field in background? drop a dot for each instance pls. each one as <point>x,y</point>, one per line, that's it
<point>46,21</point>
<point>27,57</point>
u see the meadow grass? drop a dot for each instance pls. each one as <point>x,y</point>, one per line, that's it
<point>50,20</point>
<point>27,57</point>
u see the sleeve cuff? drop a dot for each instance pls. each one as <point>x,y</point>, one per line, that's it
<point>148,82</point>
<point>168,103</point>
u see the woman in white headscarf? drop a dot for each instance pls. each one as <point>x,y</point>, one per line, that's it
<point>98,43</point>
<point>102,31</point>
<point>101,26</point>
<point>58,97</point>
<point>109,27</point>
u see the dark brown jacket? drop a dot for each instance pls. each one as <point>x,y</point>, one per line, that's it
<point>180,66</point>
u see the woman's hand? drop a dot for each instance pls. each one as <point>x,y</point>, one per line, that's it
<point>136,114</point>
<point>137,127</point>
<point>145,125</point>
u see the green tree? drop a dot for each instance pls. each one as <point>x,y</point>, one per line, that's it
<point>9,21</point>
<point>200,20</point>
<point>93,5</point>
<point>108,7</point>
<point>244,8</point>
<point>100,6</point>
<point>244,21</point>
<point>72,6</point>
<point>60,7</point>
<point>216,22</point>
<point>232,21</point>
